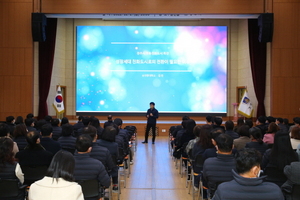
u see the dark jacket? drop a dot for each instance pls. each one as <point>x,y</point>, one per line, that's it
<point>248,189</point>
<point>263,128</point>
<point>50,145</point>
<point>21,142</point>
<point>56,133</point>
<point>8,170</point>
<point>79,125</point>
<point>67,142</point>
<point>218,170</point>
<point>112,147</point>
<point>30,128</point>
<point>87,168</point>
<point>102,154</point>
<point>34,156</point>
<point>292,173</point>
<point>233,134</point>
<point>152,119</point>
<point>261,147</point>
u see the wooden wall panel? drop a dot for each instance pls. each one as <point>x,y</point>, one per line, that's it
<point>153,6</point>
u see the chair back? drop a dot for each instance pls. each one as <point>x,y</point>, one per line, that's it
<point>9,188</point>
<point>33,173</point>
<point>90,188</point>
<point>296,192</point>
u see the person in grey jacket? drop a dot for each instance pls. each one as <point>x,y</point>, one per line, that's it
<point>246,183</point>
<point>292,173</point>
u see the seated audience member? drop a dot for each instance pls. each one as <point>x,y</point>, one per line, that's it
<point>179,127</point>
<point>19,120</point>
<point>86,167</point>
<point>109,121</point>
<point>204,142</point>
<point>29,116</point>
<point>279,122</point>
<point>190,145</point>
<point>67,141</point>
<point>269,136</point>
<point>186,136</point>
<point>102,154</point>
<point>218,123</point>
<point>108,141</point>
<point>10,121</point>
<point>48,119</point>
<point>20,136</point>
<point>246,183</point>
<point>9,169</point>
<point>56,129</point>
<point>209,120</point>
<point>212,152</point>
<point>5,132</point>
<point>78,125</point>
<point>292,172</point>
<point>295,133</point>
<point>58,184</point>
<point>34,153</point>
<point>219,169</point>
<point>244,138</point>
<point>180,132</point>
<point>249,122</point>
<point>256,140</point>
<point>278,157</point>
<point>47,142</point>
<point>85,122</point>
<point>270,119</point>
<point>64,120</point>
<point>261,123</point>
<point>296,122</point>
<point>95,123</point>
<point>29,122</point>
<point>286,124</point>
<point>240,122</point>
<point>229,130</point>
<point>39,124</point>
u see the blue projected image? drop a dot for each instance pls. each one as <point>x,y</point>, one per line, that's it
<point>123,68</point>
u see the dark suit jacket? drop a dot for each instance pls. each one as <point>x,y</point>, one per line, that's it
<point>50,145</point>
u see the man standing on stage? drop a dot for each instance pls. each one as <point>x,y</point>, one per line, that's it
<point>152,115</point>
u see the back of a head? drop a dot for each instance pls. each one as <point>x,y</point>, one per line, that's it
<point>40,123</point>
<point>64,120</point>
<point>246,159</point>
<point>4,130</point>
<point>190,124</point>
<point>46,130</point>
<point>297,120</point>
<point>197,130</point>
<point>244,131</point>
<point>95,122</point>
<point>271,119</point>
<point>90,130</point>
<point>249,122</point>
<point>20,130</point>
<point>262,119</point>
<point>204,138</point>
<point>29,116</point>
<point>55,122</point>
<point>48,118</point>
<point>229,125</point>
<point>86,121</point>
<point>240,122</point>
<point>10,119</point>
<point>209,118</point>
<point>32,137</point>
<point>272,128</point>
<point>224,143</point>
<point>118,121</point>
<point>218,121</point>
<point>62,166</point>
<point>256,134</point>
<point>6,150</point>
<point>216,132</point>
<point>285,121</point>
<point>80,117</point>
<point>280,120</point>
<point>28,121</point>
<point>67,130</point>
<point>109,134</point>
<point>83,143</point>
<point>19,120</point>
<point>185,117</point>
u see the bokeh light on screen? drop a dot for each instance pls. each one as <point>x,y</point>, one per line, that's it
<point>123,68</point>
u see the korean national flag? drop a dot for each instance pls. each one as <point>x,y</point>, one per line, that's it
<point>58,103</point>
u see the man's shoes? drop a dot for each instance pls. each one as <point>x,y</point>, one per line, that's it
<point>131,162</point>
<point>145,142</point>
<point>115,188</point>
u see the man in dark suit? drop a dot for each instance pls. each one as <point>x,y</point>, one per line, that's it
<point>109,121</point>
<point>47,142</point>
<point>29,122</point>
<point>152,115</point>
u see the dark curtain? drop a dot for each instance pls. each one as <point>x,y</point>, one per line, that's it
<point>46,57</point>
<point>258,65</point>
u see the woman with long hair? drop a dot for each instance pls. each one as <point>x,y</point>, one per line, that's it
<point>256,140</point>
<point>58,184</point>
<point>240,122</point>
<point>269,136</point>
<point>95,123</point>
<point>20,136</point>
<point>204,141</point>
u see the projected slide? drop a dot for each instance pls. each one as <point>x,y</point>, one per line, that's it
<point>122,68</point>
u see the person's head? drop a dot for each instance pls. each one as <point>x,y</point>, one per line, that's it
<point>271,119</point>
<point>110,118</point>
<point>214,134</point>
<point>295,133</point>
<point>285,121</point>
<point>40,123</point>
<point>86,121</point>
<point>218,121</point>
<point>10,120</point>
<point>261,120</point>
<point>55,122</point>
<point>248,163</point>
<point>244,131</point>
<point>109,134</point>
<point>224,143</point>
<point>256,134</point>
<point>48,118</point>
<point>29,116</point>
<point>33,138</point>
<point>95,122</point>
<point>64,120</point>
<point>279,120</point>
<point>118,122</point>
<point>67,130</point>
<point>184,123</point>
<point>29,122</point>
<point>229,125</point>
<point>282,153</point>
<point>62,166</point>
<point>297,121</point>
<point>185,117</point>
<point>46,130</point>
<point>4,130</point>
<point>204,137</point>
<point>272,128</point>
<point>80,117</point>
<point>197,130</point>
<point>20,130</point>
<point>19,120</point>
<point>6,150</point>
<point>84,143</point>
<point>91,131</point>
<point>240,122</point>
<point>208,119</point>
<point>249,122</point>
<point>152,105</point>
<point>190,124</point>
